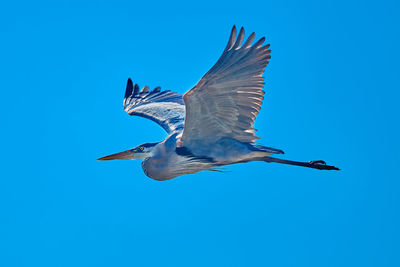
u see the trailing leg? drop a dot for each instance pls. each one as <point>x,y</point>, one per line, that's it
<point>317,164</point>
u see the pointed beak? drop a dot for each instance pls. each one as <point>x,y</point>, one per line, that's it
<point>128,154</point>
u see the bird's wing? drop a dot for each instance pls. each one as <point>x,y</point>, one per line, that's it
<point>164,107</point>
<point>226,101</point>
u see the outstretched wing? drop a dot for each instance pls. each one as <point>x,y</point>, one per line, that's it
<point>226,101</point>
<point>165,108</point>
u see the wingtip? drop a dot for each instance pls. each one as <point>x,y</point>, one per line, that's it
<point>260,42</point>
<point>232,39</point>
<point>129,83</point>
<point>156,90</point>
<point>129,87</point>
<point>234,32</point>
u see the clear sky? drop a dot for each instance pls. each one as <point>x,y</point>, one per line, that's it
<point>332,93</point>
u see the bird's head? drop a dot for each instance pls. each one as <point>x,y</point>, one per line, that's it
<point>139,152</point>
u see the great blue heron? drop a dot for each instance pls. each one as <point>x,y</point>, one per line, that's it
<point>211,125</point>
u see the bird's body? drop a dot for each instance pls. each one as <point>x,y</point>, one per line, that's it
<point>168,160</point>
<point>211,125</point>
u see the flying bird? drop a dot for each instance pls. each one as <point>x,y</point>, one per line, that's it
<point>211,125</point>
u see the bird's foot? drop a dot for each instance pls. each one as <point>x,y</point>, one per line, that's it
<point>321,165</point>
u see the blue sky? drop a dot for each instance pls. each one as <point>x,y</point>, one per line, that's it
<point>332,91</point>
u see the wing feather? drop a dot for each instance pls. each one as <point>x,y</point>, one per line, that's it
<point>166,108</point>
<point>226,101</point>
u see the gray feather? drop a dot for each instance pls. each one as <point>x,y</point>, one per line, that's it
<point>226,101</point>
<point>165,108</point>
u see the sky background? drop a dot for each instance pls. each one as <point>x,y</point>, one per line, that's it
<point>332,93</point>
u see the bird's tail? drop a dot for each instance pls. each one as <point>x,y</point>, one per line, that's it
<point>316,164</point>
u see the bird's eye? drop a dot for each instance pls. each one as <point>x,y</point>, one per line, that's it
<point>141,148</point>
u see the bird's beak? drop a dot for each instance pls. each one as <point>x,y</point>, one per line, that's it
<point>128,154</point>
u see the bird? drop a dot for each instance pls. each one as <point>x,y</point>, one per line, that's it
<point>212,124</point>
